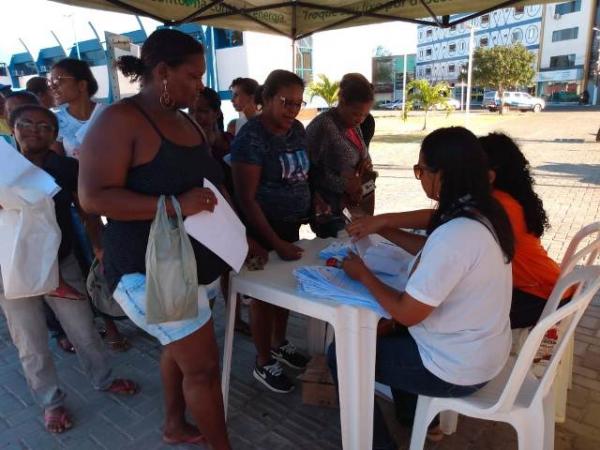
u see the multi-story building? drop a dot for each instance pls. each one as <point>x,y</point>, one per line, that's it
<point>564,56</point>
<point>558,34</point>
<point>443,53</point>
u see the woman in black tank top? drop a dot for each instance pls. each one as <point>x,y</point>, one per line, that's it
<point>137,150</point>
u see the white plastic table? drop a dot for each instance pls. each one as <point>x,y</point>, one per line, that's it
<point>355,334</point>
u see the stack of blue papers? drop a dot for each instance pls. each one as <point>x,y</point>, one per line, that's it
<point>332,283</point>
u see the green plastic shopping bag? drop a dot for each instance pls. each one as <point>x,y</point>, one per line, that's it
<point>171,276</point>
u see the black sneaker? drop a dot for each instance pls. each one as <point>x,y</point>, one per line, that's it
<point>272,376</point>
<point>288,354</point>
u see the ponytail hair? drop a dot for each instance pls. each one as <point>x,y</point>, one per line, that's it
<point>165,45</point>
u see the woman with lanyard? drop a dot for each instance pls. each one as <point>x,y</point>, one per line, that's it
<point>154,149</point>
<point>73,86</point>
<point>342,172</point>
<point>451,331</point>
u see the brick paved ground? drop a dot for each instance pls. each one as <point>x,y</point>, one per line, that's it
<point>568,177</point>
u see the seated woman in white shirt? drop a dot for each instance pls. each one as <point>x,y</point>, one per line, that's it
<point>451,325</point>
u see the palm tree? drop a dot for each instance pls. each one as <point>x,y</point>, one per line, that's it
<point>428,96</point>
<point>325,89</point>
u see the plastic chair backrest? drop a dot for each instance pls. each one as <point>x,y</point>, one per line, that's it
<point>591,250</point>
<point>588,278</point>
<point>587,254</point>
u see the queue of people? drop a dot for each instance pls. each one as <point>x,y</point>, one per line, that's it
<point>462,297</point>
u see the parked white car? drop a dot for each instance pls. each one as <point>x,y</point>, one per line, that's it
<point>521,101</point>
<point>451,102</point>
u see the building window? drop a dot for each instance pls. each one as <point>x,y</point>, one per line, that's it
<point>304,68</point>
<point>567,7</point>
<point>517,36</point>
<point>452,48</point>
<point>565,34</point>
<point>429,33</point>
<point>451,68</point>
<point>428,52</point>
<point>427,71</point>
<point>562,61</point>
<point>485,19</point>
<point>483,42</point>
<point>228,38</point>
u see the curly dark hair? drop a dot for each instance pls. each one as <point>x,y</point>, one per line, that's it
<point>457,153</point>
<point>513,176</point>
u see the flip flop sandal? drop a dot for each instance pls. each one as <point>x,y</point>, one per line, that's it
<point>57,418</point>
<point>190,440</point>
<point>122,386</point>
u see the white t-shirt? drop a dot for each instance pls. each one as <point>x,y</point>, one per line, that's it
<point>239,123</point>
<point>70,131</point>
<point>466,340</point>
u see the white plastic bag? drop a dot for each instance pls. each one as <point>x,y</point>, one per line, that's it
<point>29,242</point>
<point>171,274</point>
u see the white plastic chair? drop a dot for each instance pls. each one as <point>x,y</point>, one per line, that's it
<point>586,256</point>
<point>515,395</point>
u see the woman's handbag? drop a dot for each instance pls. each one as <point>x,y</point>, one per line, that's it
<point>171,274</point>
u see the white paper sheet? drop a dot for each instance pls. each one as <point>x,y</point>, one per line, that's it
<point>221,231</point>
<point>17,172</point>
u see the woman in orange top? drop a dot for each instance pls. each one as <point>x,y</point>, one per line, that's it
<point>534,272</point>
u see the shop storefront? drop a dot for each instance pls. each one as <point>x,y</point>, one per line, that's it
<point>560,86</point>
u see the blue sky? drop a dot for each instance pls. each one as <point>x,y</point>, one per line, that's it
<point>33,21</point>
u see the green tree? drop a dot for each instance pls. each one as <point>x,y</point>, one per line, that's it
<point>325,89</point>
<point>503,67</point>
<point>427,96</point>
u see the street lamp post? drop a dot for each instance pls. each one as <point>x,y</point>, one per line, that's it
<point>404,84</point>
<point>470,68</point>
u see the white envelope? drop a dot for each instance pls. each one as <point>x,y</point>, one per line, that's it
<point>221,231</point>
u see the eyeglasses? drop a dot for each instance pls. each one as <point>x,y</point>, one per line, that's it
<point>55,82</point>
<point>28,126</point>
<point>419,170</point>
<point>288,104</point>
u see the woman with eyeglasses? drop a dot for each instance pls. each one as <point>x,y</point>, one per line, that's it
<point>270,176</point>
<point>35,129</point>
<point>450,333</point>
<point>342,172</point>
<point>73,85</point>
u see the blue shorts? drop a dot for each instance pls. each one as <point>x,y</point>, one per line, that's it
<point>131,295</point>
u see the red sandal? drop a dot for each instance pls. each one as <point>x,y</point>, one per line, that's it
<point>57,420</point>
<point>122,386</point>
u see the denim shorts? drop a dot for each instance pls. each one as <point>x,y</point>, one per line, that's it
<point>131,295</point>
